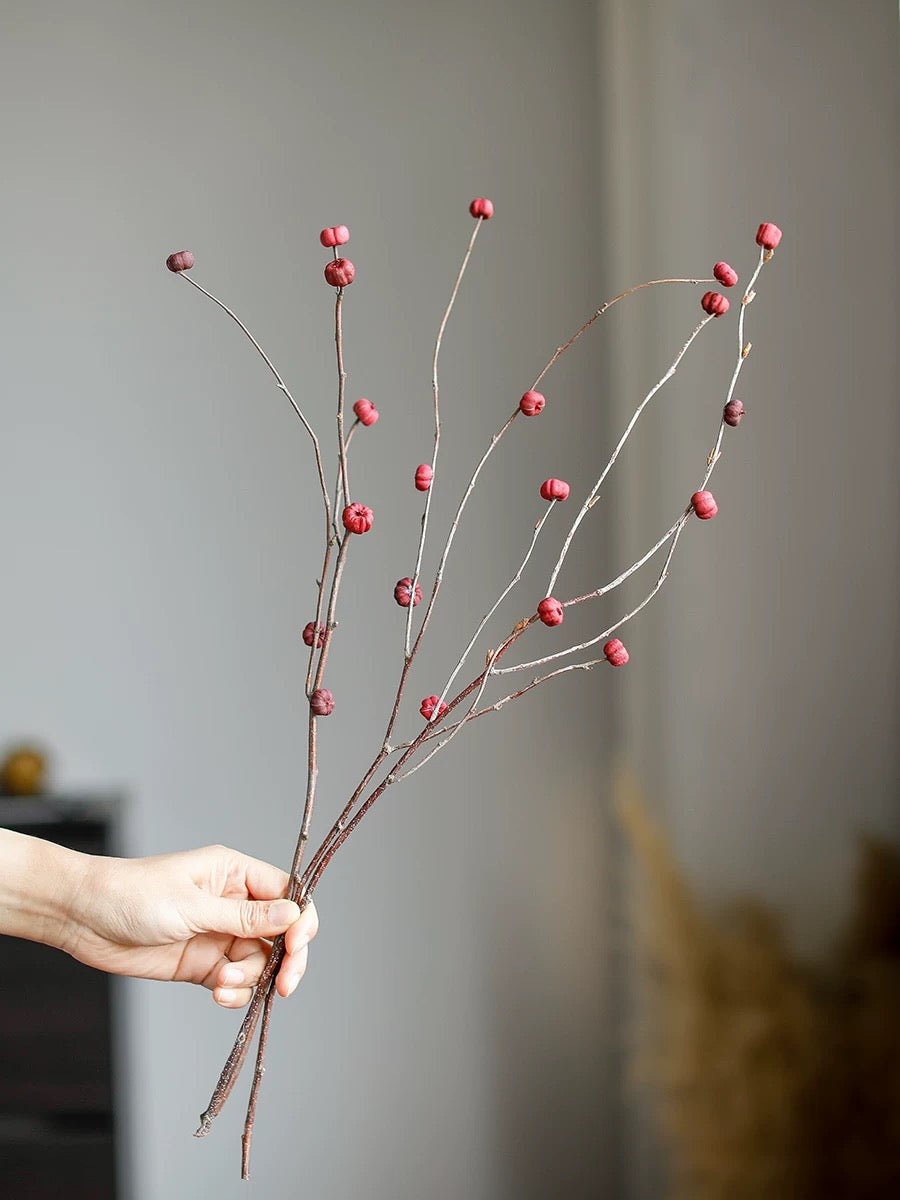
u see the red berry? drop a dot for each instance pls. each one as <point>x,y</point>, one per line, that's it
<point>424,476</point>
<point>403,592</point>
<point>322,702</point>
<point>314,633</point>
<point>768,235</point>
<point>555,489</point>
<point>430,705</point>
<point>340,272</point>
<point>357,518</point>
<point>481,207</point>
<point>725,274</point>
<point>336,235</point>
<point>181,260</point>
<point>550,611</point>
<point>366,412</point>
<point>532,403</point>
<point>733,412</point>
<point>715,304</point>
<point>615,653</point>
<point>704,505</point>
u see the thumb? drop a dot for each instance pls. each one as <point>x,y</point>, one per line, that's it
<point>247,918</point>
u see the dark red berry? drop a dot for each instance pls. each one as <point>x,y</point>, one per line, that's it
<point>550,611</point>
<point>340,272</point>
<point>357,518</point>
<point>615,653</point>
<point>181,260</point>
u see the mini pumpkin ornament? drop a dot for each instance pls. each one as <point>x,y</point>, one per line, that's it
<point>23,772</point>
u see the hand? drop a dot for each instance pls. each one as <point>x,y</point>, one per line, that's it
<point>202,916</point>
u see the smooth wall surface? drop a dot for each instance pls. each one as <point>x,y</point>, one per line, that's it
<point>161,538</point>
<point>763,707</point>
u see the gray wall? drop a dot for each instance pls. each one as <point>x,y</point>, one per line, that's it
<point>763,705</point>
<point>451,1038</point>
<point>158,513</point>
<point>775,710</point>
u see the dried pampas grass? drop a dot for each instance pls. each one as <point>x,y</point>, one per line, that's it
<point>775,1080</point>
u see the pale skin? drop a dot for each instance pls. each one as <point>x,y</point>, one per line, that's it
<point>202,916</point>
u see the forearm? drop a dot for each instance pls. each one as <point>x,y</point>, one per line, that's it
<point>38,881</point>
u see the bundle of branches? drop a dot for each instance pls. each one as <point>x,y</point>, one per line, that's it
<point>500,677</point>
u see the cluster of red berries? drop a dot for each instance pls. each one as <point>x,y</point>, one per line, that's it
<point>714,304</point>
<point>358,518</point>
<point>340,272</point>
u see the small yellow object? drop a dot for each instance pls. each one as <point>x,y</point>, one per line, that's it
<point>23,771</point>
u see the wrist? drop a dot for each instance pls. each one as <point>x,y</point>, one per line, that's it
<point>38,883</point>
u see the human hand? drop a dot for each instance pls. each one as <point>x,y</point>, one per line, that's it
<point>202,916</point>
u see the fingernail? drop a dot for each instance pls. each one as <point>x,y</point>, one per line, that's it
<point>232,974</point>
<point>292,986</point>
<point>226,996</point>
<point>283,912</point>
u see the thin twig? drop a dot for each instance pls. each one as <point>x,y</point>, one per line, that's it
<point>282,386</point>
<point>746,300</point>
<point>345,824</point>
<point>487,616</point>
<point>592,495</point>
<point>603,308</point>
<point>454,525</point>
<point>435,392</point>
<point>342,380</point>
<point>258,1072</point>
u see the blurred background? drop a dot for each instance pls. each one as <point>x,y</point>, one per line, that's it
<point>468,1024</point>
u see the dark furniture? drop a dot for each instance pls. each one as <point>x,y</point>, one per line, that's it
<point>57,1135</point>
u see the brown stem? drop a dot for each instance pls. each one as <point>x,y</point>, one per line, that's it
<point>560,350</point>
<point>342,379</point>
<point>282,386</point>
<point>312,773</point>
<point>342,828</point>
<point>302,887</point>
<point>312,758</point>
<point>264,988</point>
<point>259,1071</point>
<point>410,654</point>
<point>329,538</point>
<point>242,1042</point>
<point>435,392</point>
